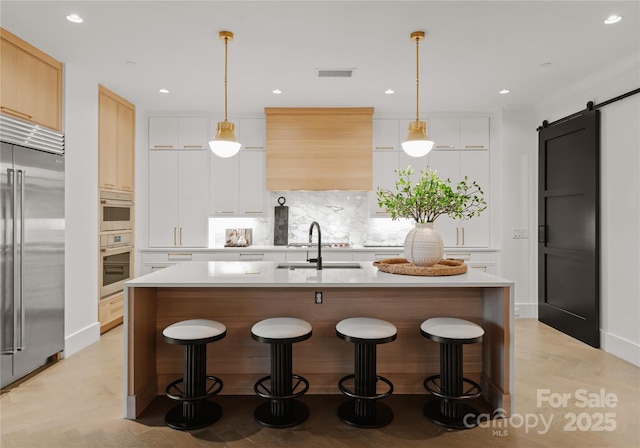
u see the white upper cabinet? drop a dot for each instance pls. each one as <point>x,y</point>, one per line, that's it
<point>238,184</point>
<point>178,132</point>
<point>386,134</point>
<point>178,198</point>
<point>459,132</point>
<point>251,132</point>
<point>455,165</point>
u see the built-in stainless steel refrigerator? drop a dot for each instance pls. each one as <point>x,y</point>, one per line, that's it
<point>31,247</point>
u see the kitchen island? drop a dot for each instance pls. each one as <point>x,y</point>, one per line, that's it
<point>239,294</point>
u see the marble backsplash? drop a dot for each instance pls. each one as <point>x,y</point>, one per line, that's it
<point>343,216</point>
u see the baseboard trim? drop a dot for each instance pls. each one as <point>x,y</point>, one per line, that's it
<point>75,342</point>
<point>620,347</point>
<point>526,310</point>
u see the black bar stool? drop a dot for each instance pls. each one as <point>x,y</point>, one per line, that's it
<point>363,409</point>
<point>282,410</point>
<point>450,409</point>
<point>194,411</point>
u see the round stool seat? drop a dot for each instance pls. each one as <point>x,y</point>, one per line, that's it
<point>194,331</point>
<point>365,330</point>
<point>281,329</point>
<point>451,330</point>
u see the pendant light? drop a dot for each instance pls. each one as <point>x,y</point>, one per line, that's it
<point>225,143</point>
<point>417,143</point>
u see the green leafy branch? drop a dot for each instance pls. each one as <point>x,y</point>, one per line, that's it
<point>429,197</point>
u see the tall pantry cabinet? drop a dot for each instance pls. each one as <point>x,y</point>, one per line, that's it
<point>116,137</point>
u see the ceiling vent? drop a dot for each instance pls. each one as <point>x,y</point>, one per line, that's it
<point>335,72</point>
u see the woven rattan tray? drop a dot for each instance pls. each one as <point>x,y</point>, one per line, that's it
<point>448,266</point>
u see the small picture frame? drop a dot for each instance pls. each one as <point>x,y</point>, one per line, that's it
<point>238,237</point>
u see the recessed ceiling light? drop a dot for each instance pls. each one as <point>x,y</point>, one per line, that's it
<point>75,18</point>
<point>613,19</point>
<point>277,91</point>
<point>389,91</point>
<point>504,91</point>
<point>163,90</point>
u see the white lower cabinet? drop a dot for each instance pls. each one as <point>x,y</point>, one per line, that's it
<point>178,198</point>
<point>486,261</point>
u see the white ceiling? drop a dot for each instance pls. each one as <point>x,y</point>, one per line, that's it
<point>472,50</point>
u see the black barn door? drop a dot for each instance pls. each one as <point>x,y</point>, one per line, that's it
<point>568,227</point>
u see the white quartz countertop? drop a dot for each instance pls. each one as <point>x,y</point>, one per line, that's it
<point>249,274</point>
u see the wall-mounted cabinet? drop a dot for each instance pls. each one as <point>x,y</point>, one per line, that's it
<point>178,198</point>
<point>388,156</point>
<point>178,132</point>
<point>251,132</point>
<point>116,135</point>
<point>459,132</point>
<point>30,82</point>
<point>455,165</point>
<point>238,186</point>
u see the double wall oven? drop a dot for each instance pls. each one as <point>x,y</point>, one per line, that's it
<point>116,241</point>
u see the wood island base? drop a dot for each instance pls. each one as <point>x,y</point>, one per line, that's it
<point>323,359</point>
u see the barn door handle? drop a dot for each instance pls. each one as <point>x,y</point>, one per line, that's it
<point>542,233</point>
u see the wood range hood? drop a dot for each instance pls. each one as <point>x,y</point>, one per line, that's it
<point>319,148</point>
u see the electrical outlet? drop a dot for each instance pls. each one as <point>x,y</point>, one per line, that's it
<point>516,312</point>
<point>520,234</point>
<point>318,296</point>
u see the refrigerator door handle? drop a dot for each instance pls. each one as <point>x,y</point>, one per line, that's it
<point>21,178</point>
<point>12,209</point>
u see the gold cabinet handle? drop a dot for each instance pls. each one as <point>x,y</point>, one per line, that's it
<point>474,146</point>
<point>223,212</point>
<point>181,236</point>
<point>16,112</point>
<point>252,212</point>
<point>385,147</point>
<point>457,238</point>
<point>463,236</point>
<point>109,186</point>
<point>192,146</point>
<point>254,147</point>
<point>174,236</point>
<point>163,146</point>
<point>445,146</point>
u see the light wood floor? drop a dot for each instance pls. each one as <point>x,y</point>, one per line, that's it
<point>78,403</point>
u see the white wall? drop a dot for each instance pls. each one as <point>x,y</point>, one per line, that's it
<point>620,206</point>
<point>518,171</point>
<point>81,209</point>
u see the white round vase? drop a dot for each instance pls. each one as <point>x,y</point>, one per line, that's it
<point>423,245</point>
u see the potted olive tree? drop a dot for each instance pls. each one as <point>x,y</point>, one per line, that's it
<point>424,200</point>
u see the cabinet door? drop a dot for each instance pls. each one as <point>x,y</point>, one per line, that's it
<point>46,95</point>
<point>386,134</point>
<point>476,231</point>
<point>446,164</point>
<point>224,185</point>
<point>384,177</point>
<point>474,132</point>
<point>193,226</point>
<point>108,141</point>
<point>163,133</point>
<point>193,132</point>
<point>163,198</point>
<point>251,182</point>
<point>252,133</point>
<point>9,79</point>
<point>445,132</point>
<point>125,153</point>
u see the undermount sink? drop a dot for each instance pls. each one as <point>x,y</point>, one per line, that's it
<point>325,265</point>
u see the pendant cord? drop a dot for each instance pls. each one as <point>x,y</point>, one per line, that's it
<point>417,79</point>
<point>226,41</point>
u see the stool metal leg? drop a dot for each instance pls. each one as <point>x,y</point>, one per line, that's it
<point>365,413</point>
<point>451,412</point>
<point>281,412</point>
<point>194,414</point>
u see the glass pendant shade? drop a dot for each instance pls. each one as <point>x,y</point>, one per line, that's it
<point>417,143</point>
<point>225,143</point>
